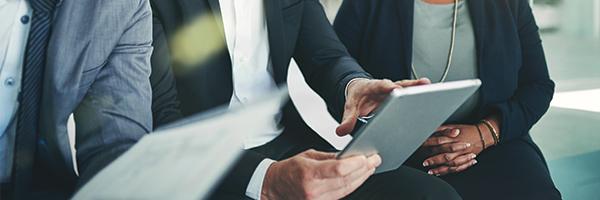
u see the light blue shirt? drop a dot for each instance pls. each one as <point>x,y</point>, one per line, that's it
<point>431,43</point>
<point>15,22</point>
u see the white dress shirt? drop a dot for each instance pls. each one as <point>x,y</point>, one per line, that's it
<point>247,40</point>
<point>14,30</point>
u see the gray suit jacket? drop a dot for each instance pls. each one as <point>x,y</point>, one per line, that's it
<point>98,68</point>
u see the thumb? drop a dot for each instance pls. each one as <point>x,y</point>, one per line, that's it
<point>318,155</point>
<point>443,128</point>
<point>424,81</point>
<point>348,122</point>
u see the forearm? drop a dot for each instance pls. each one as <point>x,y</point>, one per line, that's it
<point>491,129</point>
<point>531,99</point>
<point>323,59</point>
<point>238,179</point>
<point>90,166</point>
<point>116,110</point>
<point>519,113</point>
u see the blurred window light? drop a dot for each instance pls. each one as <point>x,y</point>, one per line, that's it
<point>597,18</point>
<point>584,100</point>
<point>197,42</point>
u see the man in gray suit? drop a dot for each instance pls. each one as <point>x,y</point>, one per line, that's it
<point>60,57</point>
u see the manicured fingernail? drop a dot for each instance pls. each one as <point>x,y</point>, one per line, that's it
<point>456,132</point>
<point>474,162</point>
<point>425,164</point>
<point>467,145</point>
<point>430,172</point>
<point>473,156</point>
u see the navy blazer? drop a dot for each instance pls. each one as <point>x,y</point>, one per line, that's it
<point>510,57</point>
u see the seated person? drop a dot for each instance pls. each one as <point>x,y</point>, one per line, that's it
<point>89,58</point>
<point>485,150</point>
<point>252,50</point>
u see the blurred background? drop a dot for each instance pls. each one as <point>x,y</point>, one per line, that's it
<point>569,134</point>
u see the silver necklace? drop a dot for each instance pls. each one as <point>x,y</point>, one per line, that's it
<point>451,52</point>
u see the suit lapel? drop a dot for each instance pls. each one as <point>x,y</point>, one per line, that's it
<point>406,9</point>
<point>190,9</point>
<point>275,27</point>
<point>477,11</point>
<point>476,8</point>
<point>215,8</point>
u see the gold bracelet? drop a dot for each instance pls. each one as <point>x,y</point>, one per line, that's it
<point>480,135</point>
<point>492,131</point>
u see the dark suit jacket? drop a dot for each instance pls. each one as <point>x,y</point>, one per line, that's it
<point>297,29</point>
<point>512,66</point>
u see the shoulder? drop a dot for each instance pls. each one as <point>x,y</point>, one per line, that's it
<point>105,10</point>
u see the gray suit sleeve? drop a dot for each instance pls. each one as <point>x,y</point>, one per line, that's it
<point>116,111</point>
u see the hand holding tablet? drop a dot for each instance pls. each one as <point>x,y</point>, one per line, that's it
<point>405,119</point>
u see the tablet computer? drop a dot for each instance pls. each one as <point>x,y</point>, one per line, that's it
<point>406,119</point>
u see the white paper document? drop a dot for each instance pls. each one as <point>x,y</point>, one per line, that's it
<point>186,160</point>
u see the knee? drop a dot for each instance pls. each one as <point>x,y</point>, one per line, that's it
<point>439,189</point>
<point>433,189</point>
<point>541,191</point>
<point>414,184</point>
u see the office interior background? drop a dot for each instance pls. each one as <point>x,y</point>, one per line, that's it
<point>569,134</point>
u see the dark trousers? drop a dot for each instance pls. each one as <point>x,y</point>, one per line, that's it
<point>513,170</point>
<point>403,183</point>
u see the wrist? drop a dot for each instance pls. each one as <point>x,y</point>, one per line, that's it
<point>491,125</point>
<point>487,136</point>
<point>352,83</point>
<point>266,190</point>
<point>494,120</point>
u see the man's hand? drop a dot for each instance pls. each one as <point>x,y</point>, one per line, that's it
<point>365,95</point>
<point>317,175</point>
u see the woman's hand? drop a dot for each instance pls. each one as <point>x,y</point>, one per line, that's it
<point>455,147</point>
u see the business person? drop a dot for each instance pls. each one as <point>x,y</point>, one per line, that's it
<point>255,42</point>
<point>485,150</point>
<point>89,58</point>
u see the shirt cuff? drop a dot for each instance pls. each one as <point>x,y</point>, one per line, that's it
<point>256,182</point>
<point>350,82</point>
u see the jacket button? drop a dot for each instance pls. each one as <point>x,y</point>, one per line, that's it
<point>9,81</point>
<point>25,19</point>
